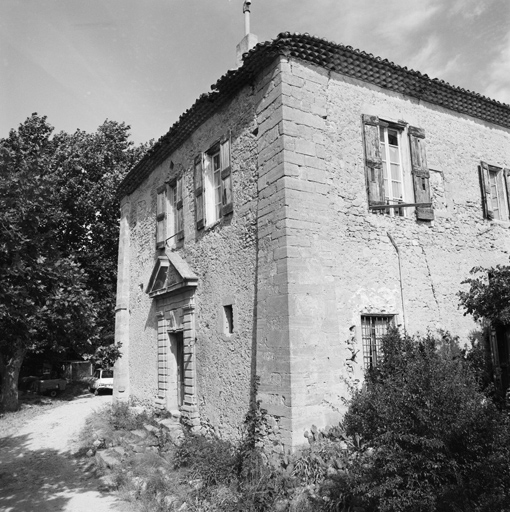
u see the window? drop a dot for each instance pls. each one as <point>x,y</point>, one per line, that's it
<point>386,155</point>
<point>391,157</point>
<point>213,184</point>
<point>373,329</point>
<point>495,191</point>
<point>170,223</point>
<point>228,319</point>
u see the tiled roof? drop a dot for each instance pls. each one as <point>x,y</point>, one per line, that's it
<point>331,56</point>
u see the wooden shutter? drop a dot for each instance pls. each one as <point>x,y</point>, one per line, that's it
<point>227,205</point>
<point>420,173</point>
<point>199,193</point>
<point>486,191</point>
<point>506,177</point>
<point>161,216</point>
<point>373,161</point>
<point>179,210</point>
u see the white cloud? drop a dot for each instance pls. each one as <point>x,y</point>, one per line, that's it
<point>498,74</point>
<point>431,60</point>
<point>469,8</point>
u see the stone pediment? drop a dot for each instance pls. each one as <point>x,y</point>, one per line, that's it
<point>169,275</point>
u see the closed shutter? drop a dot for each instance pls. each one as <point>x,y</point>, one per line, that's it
<point>199,193</point>
<point>420,173</point>
<point>486,191</point>
<point>373,161</point>
<point>161,216</point>
<point>227,205</point>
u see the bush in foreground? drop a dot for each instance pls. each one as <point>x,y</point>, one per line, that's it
<point>437,442</point>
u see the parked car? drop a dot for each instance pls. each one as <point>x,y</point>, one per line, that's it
<point>50,387</point>
<point>102,380</point>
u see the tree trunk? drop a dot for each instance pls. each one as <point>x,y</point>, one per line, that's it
<point>9,373</point>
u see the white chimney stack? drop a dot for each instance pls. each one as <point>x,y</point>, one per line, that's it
<point>249,40</point>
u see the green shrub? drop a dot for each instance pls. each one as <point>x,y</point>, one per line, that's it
<point>211,459</point>
<point>123,417</point>
<point>435,438</point>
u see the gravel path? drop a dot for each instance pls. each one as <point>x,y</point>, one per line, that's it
<point>38,471</point>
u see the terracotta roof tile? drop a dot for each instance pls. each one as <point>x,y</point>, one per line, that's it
<point>331,56</point>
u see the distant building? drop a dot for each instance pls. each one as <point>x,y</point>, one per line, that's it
<point>316,196</point>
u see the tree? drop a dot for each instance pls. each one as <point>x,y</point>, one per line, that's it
<point>58,250</point>
<point>488,296</point>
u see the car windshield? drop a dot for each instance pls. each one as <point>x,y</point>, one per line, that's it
<point>107,374</point>
<point>96,374</point>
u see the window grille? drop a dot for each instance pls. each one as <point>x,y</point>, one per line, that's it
<point>373,328</point>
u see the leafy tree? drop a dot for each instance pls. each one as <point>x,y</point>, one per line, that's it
<point>58,241</point>
<point>488,296</point>
<point>436,443</point>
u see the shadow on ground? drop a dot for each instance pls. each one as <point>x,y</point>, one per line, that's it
<point>39,480</point>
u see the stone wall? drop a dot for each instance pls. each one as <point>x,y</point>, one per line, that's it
<point>340,260</point>
<point>223,257</point>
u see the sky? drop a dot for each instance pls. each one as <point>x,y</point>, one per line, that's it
<point>144,62</point>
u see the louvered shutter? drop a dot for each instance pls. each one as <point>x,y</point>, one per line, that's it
<point>373,161</point>
<point>179,209</point>
<point>199,193</point>
<point>486,190</point>
<point>227,205</point>
<point>161,216</point>
<point>420,173</point>
<point>506,177</point>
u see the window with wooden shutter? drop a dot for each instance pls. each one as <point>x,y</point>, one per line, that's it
<point>420,174</point>
<point>373,161</point>
<point>161,213</point>
<point>198,179</point>
<point>495,183</point>
<point>226,177</point>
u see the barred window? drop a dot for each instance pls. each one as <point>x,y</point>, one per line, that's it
<point>373,328</point>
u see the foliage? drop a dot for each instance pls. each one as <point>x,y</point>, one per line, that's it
<point>430,430</point>
<point>123,417</point>
<point>58,221</point>
<point>488,296</point>
<point>211,459</point>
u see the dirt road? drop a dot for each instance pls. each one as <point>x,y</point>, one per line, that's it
<point>38,471</point>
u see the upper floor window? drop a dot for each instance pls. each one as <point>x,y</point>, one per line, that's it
<point>396,169</point>
<point>169,213</point>
<point>213,184</point>
<point>495,191</point>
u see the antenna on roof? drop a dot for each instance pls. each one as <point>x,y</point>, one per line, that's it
<point>246,11</point>
<point>249,40</point>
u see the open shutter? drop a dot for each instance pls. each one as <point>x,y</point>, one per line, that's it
<point>161,216</point>
<point>179,210</point>
<point>199,193</point>
<point>506,177</point>
<point>486,190</point>
<point>227,205</point>
<point>373,161</point>
<point>420,173</point>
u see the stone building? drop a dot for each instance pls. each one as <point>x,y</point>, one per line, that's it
<point>316,196</point>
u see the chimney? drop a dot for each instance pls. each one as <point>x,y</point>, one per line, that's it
<point>249,40</point>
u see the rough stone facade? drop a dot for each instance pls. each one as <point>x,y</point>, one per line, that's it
<point>301,258</point>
